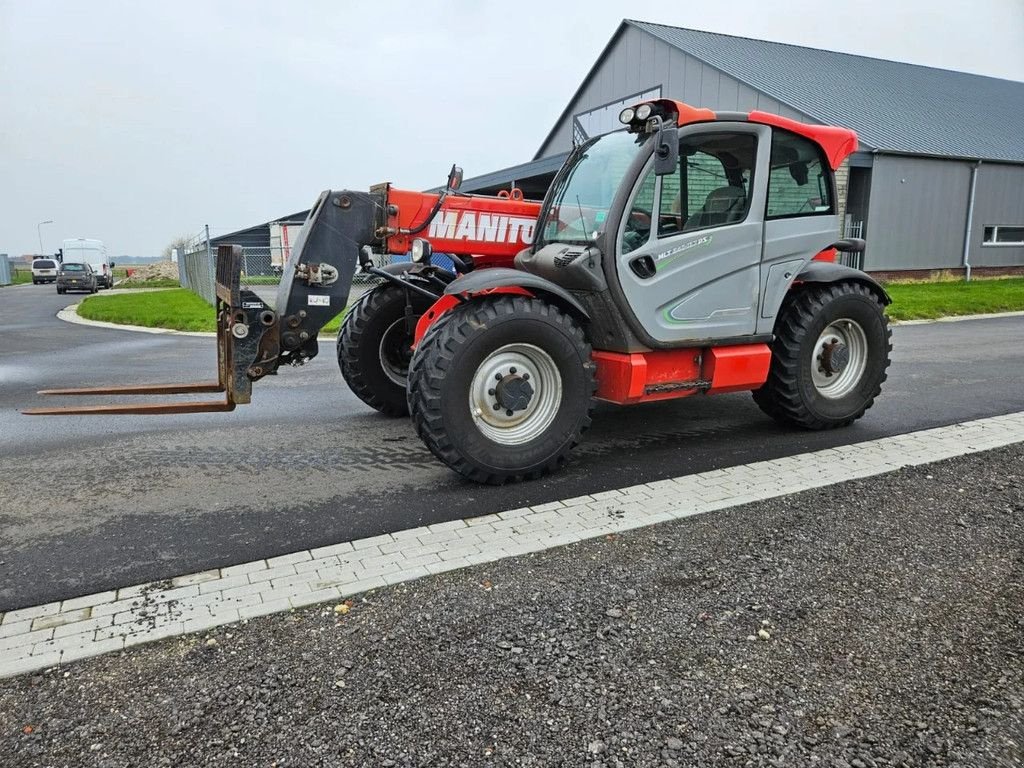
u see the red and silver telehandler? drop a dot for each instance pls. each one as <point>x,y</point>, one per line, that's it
<point>693,252</point>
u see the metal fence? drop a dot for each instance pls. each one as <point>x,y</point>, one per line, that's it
<point>261,269</point>
<point>197,267</point>
<point>852,228</point>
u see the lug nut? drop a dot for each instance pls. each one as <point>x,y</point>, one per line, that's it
<point>526,377</point>
<point>497,377</point>
<point>512,369</point>
<point>508,413</point>
<point>490,392</point>
<point>497,406</point>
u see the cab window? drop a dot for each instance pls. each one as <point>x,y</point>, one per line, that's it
<point>713,185</point>
<point>798,182</point>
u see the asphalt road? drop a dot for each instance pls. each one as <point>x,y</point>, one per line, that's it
<point>89,503</point>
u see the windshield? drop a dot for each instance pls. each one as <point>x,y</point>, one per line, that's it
<point>44,264</point>
<point>74,268</point>
<point>580,202</point>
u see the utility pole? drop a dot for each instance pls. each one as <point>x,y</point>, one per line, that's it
<point>39,232</point>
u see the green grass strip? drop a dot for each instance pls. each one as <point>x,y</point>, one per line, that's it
<point>177,308</point>
<point>927,301</point>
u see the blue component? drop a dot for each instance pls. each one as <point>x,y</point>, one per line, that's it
<point>437,259</point>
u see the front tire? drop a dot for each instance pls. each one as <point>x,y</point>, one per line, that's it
<point>502,389</point>
<point>375,346</point>
<point>829,357</point>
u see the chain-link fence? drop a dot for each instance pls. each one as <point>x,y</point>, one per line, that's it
<point>197,267</point>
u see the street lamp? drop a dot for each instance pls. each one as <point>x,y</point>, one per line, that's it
<point>40,233</point>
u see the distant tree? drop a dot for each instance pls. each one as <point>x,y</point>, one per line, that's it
<point>180,242</point>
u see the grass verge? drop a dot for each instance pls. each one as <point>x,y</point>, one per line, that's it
<point>927,301</point>
<point>176,308</point>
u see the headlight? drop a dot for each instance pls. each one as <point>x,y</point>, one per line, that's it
<point>421,251</point>
<point>643,111</point>
<point>626,116</point>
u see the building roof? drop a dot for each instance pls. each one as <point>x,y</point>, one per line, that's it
<point>893,106</point>
<point>541,166</point>
<point>257,230</point>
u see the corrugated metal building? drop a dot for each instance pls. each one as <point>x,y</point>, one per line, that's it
<point>931,140</point>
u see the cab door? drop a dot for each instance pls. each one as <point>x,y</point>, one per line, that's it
<point>688,251</point>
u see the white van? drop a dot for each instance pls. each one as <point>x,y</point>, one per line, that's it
<point>93,253</point>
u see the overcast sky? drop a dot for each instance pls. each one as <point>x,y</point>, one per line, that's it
<point>134,122</point>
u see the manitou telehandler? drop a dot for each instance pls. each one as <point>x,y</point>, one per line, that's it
<point>692,252</point>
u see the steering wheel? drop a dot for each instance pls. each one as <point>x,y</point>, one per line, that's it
<point>637,229</point>
<point>639,221</point>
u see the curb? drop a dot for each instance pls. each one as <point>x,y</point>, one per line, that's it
<point>43,636</point>
<point>957,318</point>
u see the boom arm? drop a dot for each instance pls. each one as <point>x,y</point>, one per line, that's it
<point>254,340</point>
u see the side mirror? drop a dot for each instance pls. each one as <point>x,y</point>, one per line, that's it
<point>666,152</point>
<point>454,179</point>
<point>849,245</point>
<point>112,265</point>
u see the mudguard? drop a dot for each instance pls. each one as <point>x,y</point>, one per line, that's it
<point>502,277</point>
<point>830,272</point>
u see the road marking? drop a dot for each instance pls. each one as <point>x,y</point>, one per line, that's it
<point>38,637</point>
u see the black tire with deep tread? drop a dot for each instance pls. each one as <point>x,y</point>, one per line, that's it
<point>789,395</point>
<point>443,366</point>
<point>358,346</point>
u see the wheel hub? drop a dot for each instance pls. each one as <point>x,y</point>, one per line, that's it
<point>834,357</point>
<point>513,392</point>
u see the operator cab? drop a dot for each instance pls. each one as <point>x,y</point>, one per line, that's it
<point>690,225</point>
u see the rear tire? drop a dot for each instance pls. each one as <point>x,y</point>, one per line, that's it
<point>829,357</point>
<point>525,429</point>
<point>374,347</point>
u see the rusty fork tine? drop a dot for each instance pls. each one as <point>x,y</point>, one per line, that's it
<point>204,406</point>
<point>140,389</point>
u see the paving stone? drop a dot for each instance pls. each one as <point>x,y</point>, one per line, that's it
<point>195,578</point>
<point>59,619</point>
<point>33,612</point>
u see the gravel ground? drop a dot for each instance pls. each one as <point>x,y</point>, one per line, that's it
<point>873,623</point>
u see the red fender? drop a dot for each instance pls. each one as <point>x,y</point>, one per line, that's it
<point>450,300</point>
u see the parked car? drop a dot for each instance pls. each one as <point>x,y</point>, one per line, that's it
<point>93,253</point>
<point>76,276</point>
<point>44,271</point>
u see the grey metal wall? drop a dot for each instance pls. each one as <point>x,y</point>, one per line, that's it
<point>638,61</point>
<point>917,214</point>
<point>998,201</point>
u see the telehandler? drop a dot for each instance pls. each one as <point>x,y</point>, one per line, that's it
<point>693,252</point>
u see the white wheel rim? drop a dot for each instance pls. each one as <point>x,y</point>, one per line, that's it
<point>506,374</point>
<point>840,358</point>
